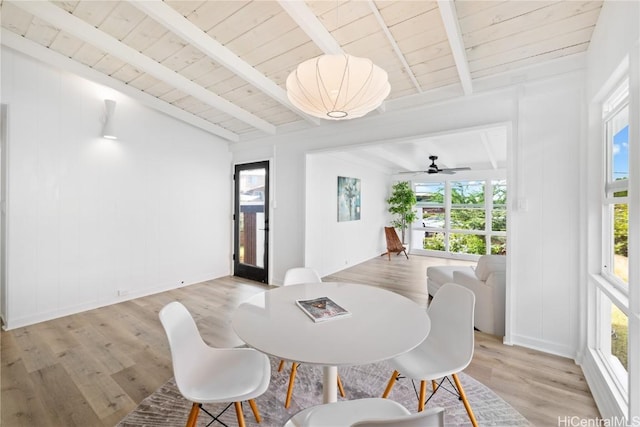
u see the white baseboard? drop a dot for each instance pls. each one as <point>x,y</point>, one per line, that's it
<point>542,345</point>
<point>91,305</point>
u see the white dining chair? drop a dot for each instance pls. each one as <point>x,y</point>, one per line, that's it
<point>298,275</point>
<point>447,350</point>
<point>295,276</point>
<point>369,412</point>
<point>206,374</point>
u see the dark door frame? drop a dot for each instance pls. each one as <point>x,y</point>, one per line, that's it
<point>245,270</point>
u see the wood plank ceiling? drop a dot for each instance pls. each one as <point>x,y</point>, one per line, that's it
<point>222,65</point>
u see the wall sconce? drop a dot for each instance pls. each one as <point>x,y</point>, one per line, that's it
<point>108,130</point>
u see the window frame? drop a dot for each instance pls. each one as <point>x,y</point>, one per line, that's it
<point>610,289</point>
<point>616,102</point>
<point>488,233</point>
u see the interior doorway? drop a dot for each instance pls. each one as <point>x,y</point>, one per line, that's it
<point>251,221</point>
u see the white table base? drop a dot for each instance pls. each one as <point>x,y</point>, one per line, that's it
<point>329,384</point>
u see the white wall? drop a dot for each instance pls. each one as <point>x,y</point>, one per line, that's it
<point>544,236</point>
<point>89,217</point>
<point>543,239</point>
<point>330,245</point>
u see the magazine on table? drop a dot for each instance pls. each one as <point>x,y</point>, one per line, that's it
<point>321,309</point>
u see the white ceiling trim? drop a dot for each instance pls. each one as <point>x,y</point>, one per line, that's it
<point>178,24</point>
<point>395,46</point>
<point>51,57</point>
<point>452,27</point>
<point>67,22</point>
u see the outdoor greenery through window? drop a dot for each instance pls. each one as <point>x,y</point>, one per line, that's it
<point>614,340</point>
<point>464,217</point>
<point>619,335</point>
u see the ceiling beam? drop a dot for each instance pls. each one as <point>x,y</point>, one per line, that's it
<point>178,24</point>
<point>57,60</point>
<point>65,21</point>
<point>394,45</point>
<point>450,20</point>
<point>398,158</point>
<point>311,25</point>
<point>487,148</point>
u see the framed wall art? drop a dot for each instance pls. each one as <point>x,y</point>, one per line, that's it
<point>348,199</point>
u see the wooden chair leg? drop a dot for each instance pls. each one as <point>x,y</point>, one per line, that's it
<point>280,366</point>
<point>193,415</point>
<point>465,401</point>
<point>239,414</point>
<point>254,408</point>
<point>340,387</point>
<point>390,384</point>
<point>423,395</point>
<point>292,379</point>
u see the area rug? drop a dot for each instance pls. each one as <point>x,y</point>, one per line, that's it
<point>167,407</point>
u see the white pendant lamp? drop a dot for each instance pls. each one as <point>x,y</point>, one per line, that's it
<point>337,87</point>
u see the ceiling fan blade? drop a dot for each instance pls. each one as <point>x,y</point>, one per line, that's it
<point>466,168</point>
<point>435,169</point>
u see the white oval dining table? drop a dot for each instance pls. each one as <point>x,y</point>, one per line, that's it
<point>381,325</point>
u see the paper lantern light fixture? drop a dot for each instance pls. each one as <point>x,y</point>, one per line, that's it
<point>337,87</point>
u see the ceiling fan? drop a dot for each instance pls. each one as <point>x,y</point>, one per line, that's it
<point>433,168</point>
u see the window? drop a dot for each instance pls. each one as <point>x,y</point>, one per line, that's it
<point>468,213</point>
<point>613,340</point>
<point>616,217</point>
<point>431,198</point>
<point>499,218</point>
<point>457,217</point>
<point>612,294</point>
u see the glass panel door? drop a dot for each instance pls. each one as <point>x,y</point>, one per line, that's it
<point>251,221</point>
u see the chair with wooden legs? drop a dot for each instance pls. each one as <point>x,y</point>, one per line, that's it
<point>295,276</point>
<point>394,245</point>
<point>205,374</point>
<point>447,350</point>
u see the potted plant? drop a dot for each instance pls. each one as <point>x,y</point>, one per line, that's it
<point>401,204</point>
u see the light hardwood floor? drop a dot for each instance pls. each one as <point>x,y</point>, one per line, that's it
<point>92,368</point>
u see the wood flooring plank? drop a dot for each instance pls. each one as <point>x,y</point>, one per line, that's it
<point>36,354</point>
<point>103,394</point>
<point>114,358</point>
<point>20,403</point>
<point>64,402</point>
<point>147,375</point>
<point>56,333</point>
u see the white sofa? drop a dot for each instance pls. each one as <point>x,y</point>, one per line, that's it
<point>487,280</point>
